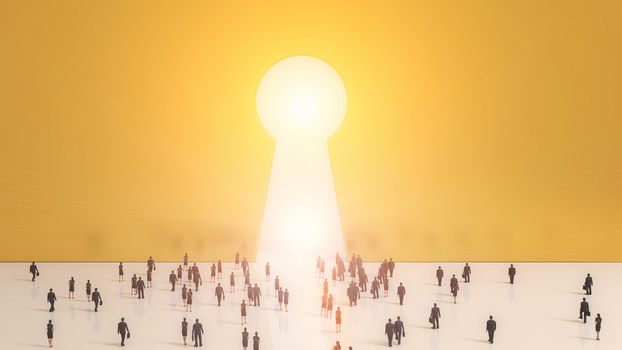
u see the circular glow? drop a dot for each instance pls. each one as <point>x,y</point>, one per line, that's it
<point>301,96</point>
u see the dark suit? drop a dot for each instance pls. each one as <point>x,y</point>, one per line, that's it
<point>435,314</point>
<point>401,290</point>
<point>173,279</point>
<point>33,271</point>
<point>140,288</point>
<point>491,327</point>
<point>584,311</point>
<point>389,330</point>
<point>51,299</point>
<point>220,294</point>
<point>96,297</point>
<point>256,294</point>
<point>467,273</point>
<point>256,342</point>
<point>588,285</point>
<point>439,276</point>
<point>399,331</point>
<point>197,334</point>
<point>123,330</point>
<point>512,273</point>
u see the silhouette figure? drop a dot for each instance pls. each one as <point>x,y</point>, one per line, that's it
<point>151,264</point>
<point>491,327</point>
<point>51,298</point>
<point>189,300</point>
<point>172,278</point>
<point>439,276</point>
<point>197,333</point>
<point>134,284</point>
<point>435,314</point>
<point>599,322</point>
<point>389,330</point>
<point>256,341</point>
<point>453,285</point>
<point>88,290</point>
<point>121,272</point>
<point>512,273</point>
<point>184,330</point>
<point>401,291</point>
<point>584,310</point>
<point>140,287</point>
<point>220,293</point>
<point>123,330</point>
<point>466,273</point>
<point>587,286</point>
<point>338,319</point>
<point>72,288</point>
<point>399,330</point>
<point>50,333</point>
<point>243,312</point>
<point>97,299</point>
<point>34,270</point>
<point>256,295</point>
<point>245,339</point>
<point>286,299</point>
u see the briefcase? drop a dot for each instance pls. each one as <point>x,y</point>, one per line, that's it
<point>101,302</point>
<point>584,287</point>
<point>430,320</point>
<point>128,335</point>
<point>37,273</point>
<point>587,313</point>
<point>462,275</point>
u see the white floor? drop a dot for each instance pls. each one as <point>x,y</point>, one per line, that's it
<point>539,312</point>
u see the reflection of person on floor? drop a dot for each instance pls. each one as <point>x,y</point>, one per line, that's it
<point>466,273</point>
<point>599,322</point>
<point>245,339</point>
<point>491,327</point>
<point>587,286</point>
<point>34,270</point>
<point>123,330</point>
<point>435,314</point>
<point>439,275</point>
<point>399,330</point>
<point>51,299</point>
<point>584,310</point>
<point>389,330</point>
<point>512,273</point>
<point>197,333</point>
<point>50,332</point>
<point>184,330</point>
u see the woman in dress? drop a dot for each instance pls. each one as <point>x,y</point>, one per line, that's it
<point>280,297</point>
<point>286,299</point>
<point>386,287</point>
<point>219,269</point>
<point>231,283</point>
<point>184,330</point>
<point>50,333</point>
<point>88,290</point>
<point>189,300</point>
<point>243,312</point>
<point>598,321</point>
<point>212,273</point>
<point>121,272</point>
<point>329,306</point>
<point>184,294</point>
<point>149,279</point>
<point>179,273</point>
<point>72,288</point>
<point>338,319</point>
<point>256,341</point>
<point>134,285</point>
<point>190,272</point>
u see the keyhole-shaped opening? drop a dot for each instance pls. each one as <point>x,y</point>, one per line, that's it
<point>301,101</point>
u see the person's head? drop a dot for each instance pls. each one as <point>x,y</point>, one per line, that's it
<point>467,264</point>
<point>511,265</point>
<point>398,318</point>
<point>255,284</point>
<point>389,320</point>
<point>434,304</point>
<point>218,284</point>
<point>197,320</point>
<point>285,290</point>
<point>122,319</point>
<point>72,277</point>
<point>243,301</point>
<point>121,263</point>
<point>172,271</point>
<point>439,267</point>
<point>338,308</point>
<point>490,317</point>
<point>50,321</point>
<point>33,262</point>
<point>140,278</point>
<point>256,333</point>
<point>588,275</point>
<point>96,289</point>
<point>50,289</point>
<point>596,315</point>
<point>583,299</point>
<point>150,257</point>
<point>453,275</point>
<point>184,319</point>
<point>400,283</point>
<point>88,281</point>
<point>184,285</point>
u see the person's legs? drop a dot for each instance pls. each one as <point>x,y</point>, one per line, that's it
<point>96,305</point>
<point>122,339</point>
<point>398,337</point>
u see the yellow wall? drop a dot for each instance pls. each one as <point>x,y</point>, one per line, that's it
<point>479,130</point>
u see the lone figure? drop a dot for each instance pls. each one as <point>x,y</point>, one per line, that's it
<point>512,273</point>
<point>491,327</point>
<point>598,321</point>
<point>97,299</point>
<point>34,271</point>
<point>587,286</point>
<point>435,314</point>
<point>439,275</point>
<point>584,310</point>
<point>123,330</point>
<point>466,273</point>
<point>51,299</point>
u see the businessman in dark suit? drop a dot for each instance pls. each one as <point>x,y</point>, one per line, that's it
<point>389,330</point>
<point>140,288</point>
<point>512,273</point>
<point>34,270</point>
<point>401,291</point>
<point>466,273</point>
<point>97,298</point>
<point>172,278</point>
<point>439,275</point>
<point>491,327</point>
<point>584,310</point>
<point>197,333</point>
<point>51,299</point>
<point>220,293</point>
<point>588,285</point>
<point>123,330</point>
<point>398,327</point>
<point>435,314</point>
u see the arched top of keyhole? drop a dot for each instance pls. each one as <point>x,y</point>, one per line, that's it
<point>301,97</point>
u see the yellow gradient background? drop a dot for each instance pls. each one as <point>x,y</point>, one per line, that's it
<point>476,130</point>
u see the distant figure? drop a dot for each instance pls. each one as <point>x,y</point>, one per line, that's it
<point>212,273</point>
<point>267,272</point>
<point>180,271</point>
<point>325,287</point>
<point>249,294</point>
<point>237,260</point>
<point>34,270</point>
<point>391,267</point>
<point>599,322</point>
<point>329,306</point>
<point>286,299</point>
<point>186,261</point>
<point>149,279</point>
<point>51,298</point>
<point>243,312</point>
<point>512,273</point>
<point>401,291</point>
<point>123,330</point>
<point>134,285</point>
<point>584,310</point>
<point>453,285</point>
<point>385,284</point>
<point>375,289</point>
<point>466,273</point>
<point>197,333</point>
<point>219,268</point>
<point>121,272</point>
<point>256,295</point>
<point>97,299</point>
<point>140,288</point>
<point>245,339</point>
<point>399,330</point>
<point>189,300</point>
<point>587,286</point>
<point>334,275</point>
<point>88,290</point>
<point>491,327</point>
<point>337,346</point>
<point>151,264</point>
<point>338,319</point>
<point>280,298</point>
<point>256,341</point>
<point>435,314</point>
<point>197,280</point>
<point>72,288</point>
<point>172,278</point>
<point>277,285</point>
<point>389,330</point>
<point>439,276</point>
<point>220,293</point>
<point>50,333</point>
<point>324,302</point>
<point>184,330</point>
<point>184,293</point>
<point>231,283</point>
